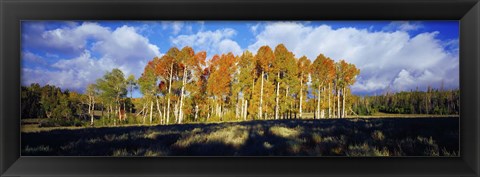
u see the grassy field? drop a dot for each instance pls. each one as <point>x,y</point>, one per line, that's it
<point>326,137</point>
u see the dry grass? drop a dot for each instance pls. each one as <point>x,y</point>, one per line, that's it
<point>286,132</point>
<point>325,137</point>
<point>233,135</point>
<point>31,128</point>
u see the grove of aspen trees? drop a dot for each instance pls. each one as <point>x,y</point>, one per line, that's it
<point>184,86</point>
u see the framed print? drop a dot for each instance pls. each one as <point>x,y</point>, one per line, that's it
<point>207,94</point>
<point>241,88</point>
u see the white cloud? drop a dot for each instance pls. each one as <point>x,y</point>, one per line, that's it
<point>228,45</point>
<point>213,42</point>
<point>254,28</point>
<point>386,59</point>
<point>175,26</point>
<point>403,80</point>
<point>126,49</point>
<point>70,39</point>
<point>403,26</point>
<point>121,48</point>
<point>31,57</point>
<point>60,78</point>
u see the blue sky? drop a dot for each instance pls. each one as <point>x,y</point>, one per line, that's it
<point>392,55</point>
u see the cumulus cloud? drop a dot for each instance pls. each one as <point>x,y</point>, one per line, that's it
<point>77,54</point>
<point>70,40</point>
<point>213,42</point>
<point>121,48</point>
<point>387,59</point>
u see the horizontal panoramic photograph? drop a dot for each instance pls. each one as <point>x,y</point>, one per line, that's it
<point>240,88</point>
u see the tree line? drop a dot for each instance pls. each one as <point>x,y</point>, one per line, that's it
<point>183,86</point>
<point>431,101</point>
<point>62,107</point>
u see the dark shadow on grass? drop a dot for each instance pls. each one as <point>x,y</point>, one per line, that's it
<point>326,137</point>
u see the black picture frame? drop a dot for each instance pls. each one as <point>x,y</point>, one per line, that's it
<point>13,11</point>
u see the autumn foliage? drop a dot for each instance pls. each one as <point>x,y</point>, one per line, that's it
<point>183,86</point>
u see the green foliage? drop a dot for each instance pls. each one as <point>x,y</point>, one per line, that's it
<point>30,99</point>
<point>49,101</point>
<point>182,87</point>
<point>112,86</point>
<point>133,119</point>
<point>106,121</point>
<point>432,101</point>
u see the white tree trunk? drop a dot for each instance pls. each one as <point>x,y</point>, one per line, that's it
<point>260,115</point>
<point>343,104</point>
<point>329,95</point>
<point>169,92</point>
<point>286,99</point>
<point>252,93</point>
<point>151,111</point>
<point>246,110</point>
<point>277,96</point>
<point>180,109</point>
<point>242,106</point>
<point>338,103</point>
<point>301,99</point>
<point>164,115</point>
<point>196,112</point>
<point>217,110</point>
<point>141,112</point>
<point>89,104</point>
<point>208,112</point>
<point>318,102</point>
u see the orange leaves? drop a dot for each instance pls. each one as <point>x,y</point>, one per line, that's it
<point>228,78</point>
<point>349,72</point>
<point>323,70</point>
<point>200,58</point>
<point>265,58</point>
<point>163,67</point>
<point>303,65</point>
<point>221,74</point>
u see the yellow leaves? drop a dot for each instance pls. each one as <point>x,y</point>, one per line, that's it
<point>265,58</point>
<point>323,69</point>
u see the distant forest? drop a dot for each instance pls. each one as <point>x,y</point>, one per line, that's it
<point>432,101</point>
<point>182,86</point>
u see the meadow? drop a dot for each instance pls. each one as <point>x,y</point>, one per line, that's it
<point>412,136</point>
